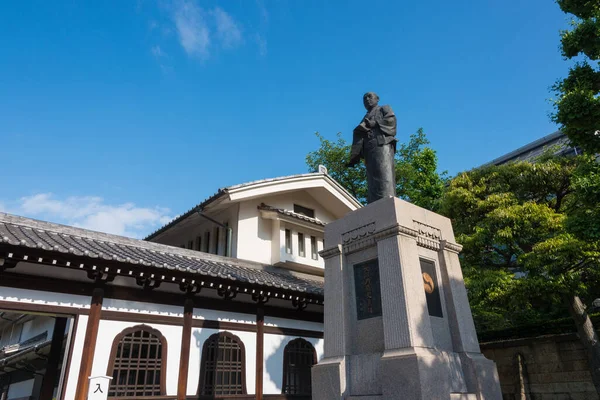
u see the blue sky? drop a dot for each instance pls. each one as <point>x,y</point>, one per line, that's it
<point>119,115</point>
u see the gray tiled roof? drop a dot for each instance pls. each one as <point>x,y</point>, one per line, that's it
<point>532,150</point>
<point>291,214</point>
<point>28,233</point>
<point>225,190</point>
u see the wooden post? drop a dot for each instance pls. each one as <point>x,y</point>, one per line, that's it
<point>260,345</point>
<point>51,375</point>
<point>89,344</point>
<point>184,357</point>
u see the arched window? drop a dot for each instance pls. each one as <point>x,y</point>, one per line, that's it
<point>138,363</point>
<point>298,358</point>
<point>223,369</point>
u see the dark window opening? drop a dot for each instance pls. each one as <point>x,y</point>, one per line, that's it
<point>191,244</point>
<point>137,363</point>
<point>223,366</point>
<point>307,212</point>
<point>207,241</point>
<point>313,248</point>
<point>298,358</point>
<point>199,243</point>
<point>217,237</point>
<point>300,244</point>
<point>227,239</point>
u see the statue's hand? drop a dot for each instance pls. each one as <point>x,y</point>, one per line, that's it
<point>370,122</point>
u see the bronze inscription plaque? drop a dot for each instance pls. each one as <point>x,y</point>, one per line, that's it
<point>432,292</point>
<point>367,289</point>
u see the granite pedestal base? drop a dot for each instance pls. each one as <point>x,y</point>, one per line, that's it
<point>397,320</point>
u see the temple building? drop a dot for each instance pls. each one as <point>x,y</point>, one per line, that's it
<point>225,301</point>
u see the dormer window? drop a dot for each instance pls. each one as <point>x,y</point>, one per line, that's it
<point>307,212</point>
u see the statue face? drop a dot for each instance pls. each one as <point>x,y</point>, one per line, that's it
<point>370,100</point>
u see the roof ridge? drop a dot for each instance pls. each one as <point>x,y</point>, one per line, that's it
<point>226,189</point>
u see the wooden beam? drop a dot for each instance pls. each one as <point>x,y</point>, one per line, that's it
<point>51,375</point>
<point>260,345</point>
<point>57,285</point>
<point>89,344</point>
<point>184,357</point>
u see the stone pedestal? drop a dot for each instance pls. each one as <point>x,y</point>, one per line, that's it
<point>397,319</point>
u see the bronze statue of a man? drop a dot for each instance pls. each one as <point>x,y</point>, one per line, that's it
<point>374,140</point>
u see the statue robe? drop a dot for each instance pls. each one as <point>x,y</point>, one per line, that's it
<point>377,147</point>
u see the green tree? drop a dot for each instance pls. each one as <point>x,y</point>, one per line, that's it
<point>416,169</point>
<point>578,103</point>
<point>531,243</point>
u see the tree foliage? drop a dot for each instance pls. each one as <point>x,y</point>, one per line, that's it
<point>578,102</point>
<point>528,235</point>
<point>417,178</point>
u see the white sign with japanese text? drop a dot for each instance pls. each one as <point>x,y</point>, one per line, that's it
<point>98,389</point>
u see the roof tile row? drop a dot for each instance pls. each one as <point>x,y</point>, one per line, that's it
<point>24,232</point>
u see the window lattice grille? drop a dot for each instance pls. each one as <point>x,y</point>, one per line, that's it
<point>222,366</point>
<point>298,358</point>
<point>137,366</point>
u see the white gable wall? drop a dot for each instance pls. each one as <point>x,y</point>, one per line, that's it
<point>256,234</point>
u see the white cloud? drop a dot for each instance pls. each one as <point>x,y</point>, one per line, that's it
<point>90,212</point>
<point>192,29</point>
<point>201,31</point>
<point>228,31</point>
<point>264,13</point>
<point>158,52</point>
<point>262,44</point>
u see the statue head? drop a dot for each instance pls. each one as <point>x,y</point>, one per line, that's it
<point>370,100</point>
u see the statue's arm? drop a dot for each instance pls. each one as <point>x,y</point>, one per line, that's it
<point>388,121</point>
<point>356,149</point>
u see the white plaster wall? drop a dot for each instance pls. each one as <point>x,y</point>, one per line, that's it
<point>21,389</point>
<point>73,372</point>
<point>174,311</point>
<point>254,234</point>
<point>24,296</point>
<point>273,360</point>
<point>107,332</point>
<point>199,336</point>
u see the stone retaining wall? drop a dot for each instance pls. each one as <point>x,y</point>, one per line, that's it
<point>553,367</point>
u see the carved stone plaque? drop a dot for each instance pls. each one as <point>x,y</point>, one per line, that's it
<point>367,289</point>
